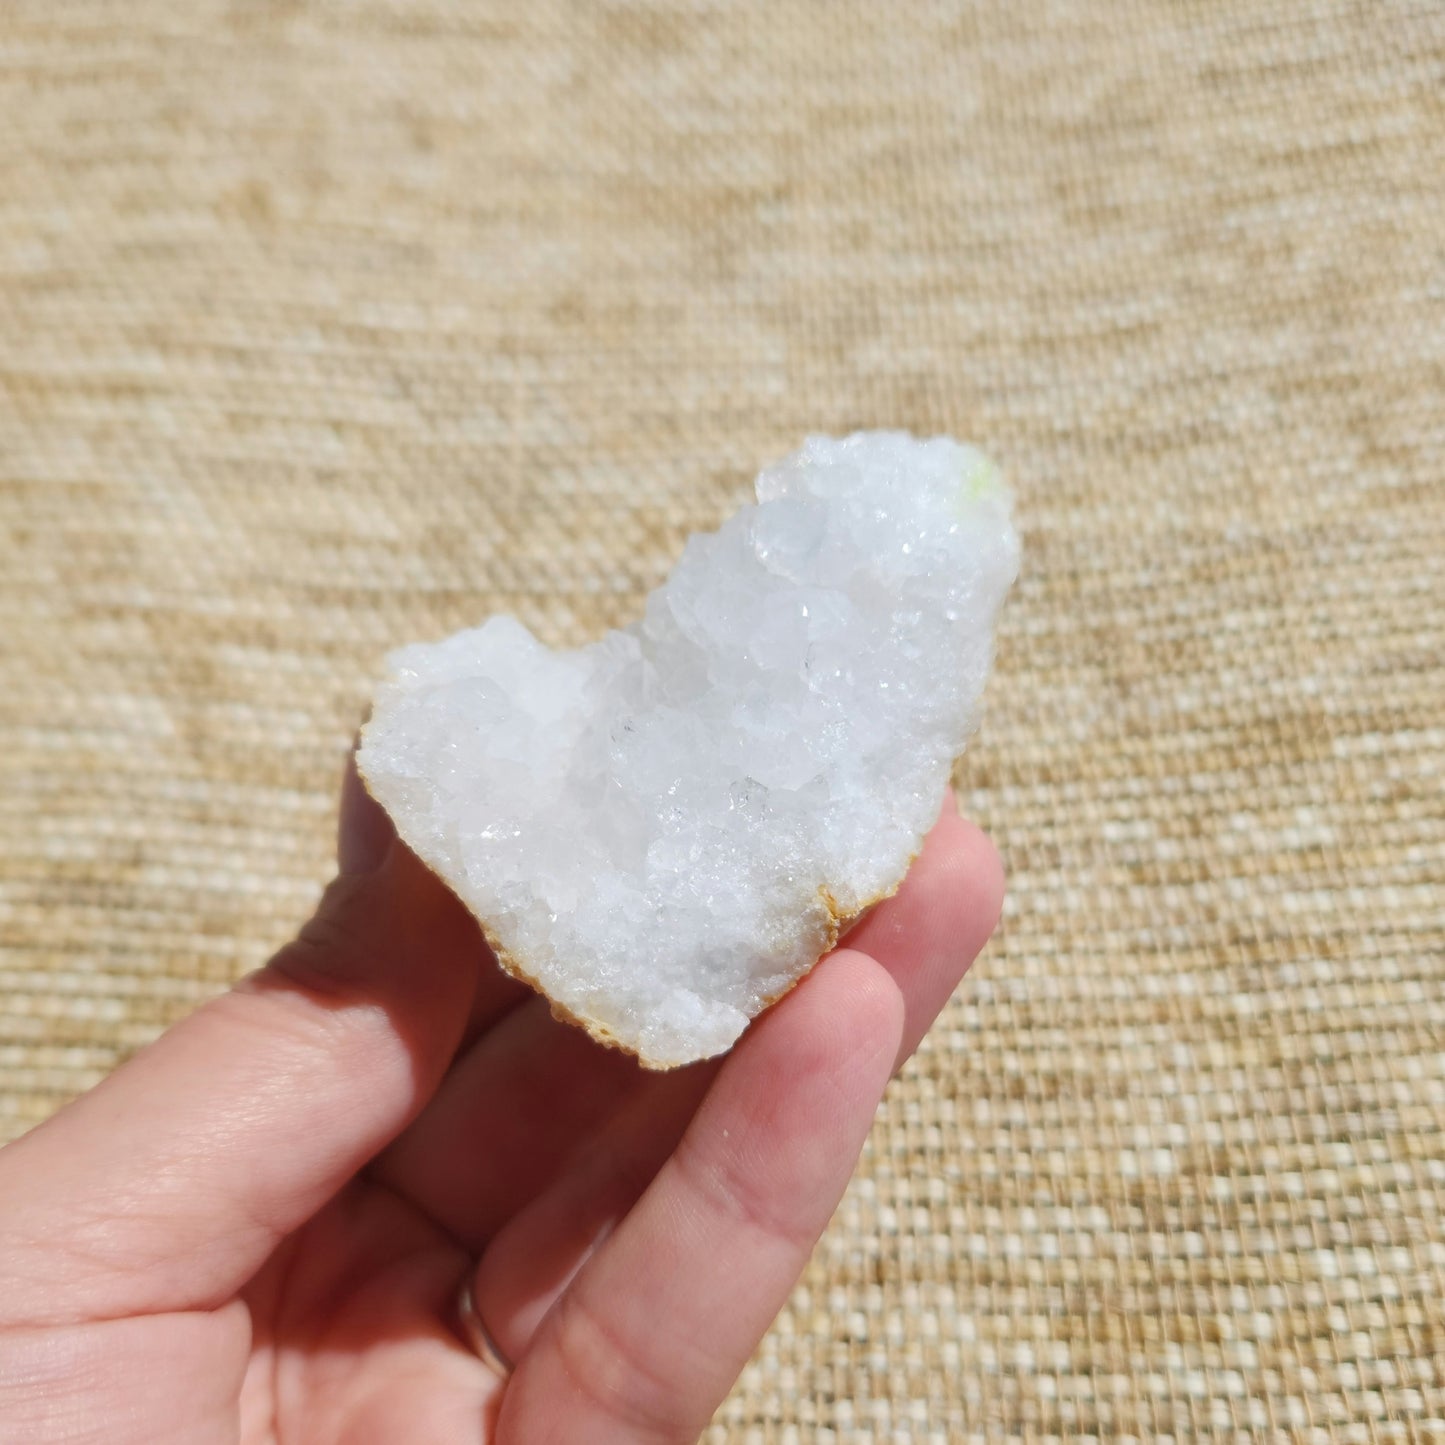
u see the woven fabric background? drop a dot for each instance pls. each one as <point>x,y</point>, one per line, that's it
<point>330,326</point>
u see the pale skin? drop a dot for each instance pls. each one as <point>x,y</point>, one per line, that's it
<point>255,1230</point>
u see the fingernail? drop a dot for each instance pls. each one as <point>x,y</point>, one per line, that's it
<point>364,833</point>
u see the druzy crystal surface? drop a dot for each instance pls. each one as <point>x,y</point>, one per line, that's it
<point>664,830</point>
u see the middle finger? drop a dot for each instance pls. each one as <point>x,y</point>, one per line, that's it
<point>504,1121</point>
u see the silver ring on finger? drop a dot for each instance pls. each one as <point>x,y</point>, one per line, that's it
<point>474,1332</point>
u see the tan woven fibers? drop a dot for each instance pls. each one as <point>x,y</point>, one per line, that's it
<point>325,327</point>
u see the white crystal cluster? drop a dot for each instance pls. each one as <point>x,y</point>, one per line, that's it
<point>663,831</point>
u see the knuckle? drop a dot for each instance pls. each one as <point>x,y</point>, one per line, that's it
<point>613,1377</point>
<point>743,1197</point>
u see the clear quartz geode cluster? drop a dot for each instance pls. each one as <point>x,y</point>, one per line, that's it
<point>663,831</point>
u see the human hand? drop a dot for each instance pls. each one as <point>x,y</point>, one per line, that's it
<point>257,1228</point>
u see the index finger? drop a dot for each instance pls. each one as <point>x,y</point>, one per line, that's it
<point>651,1334</point>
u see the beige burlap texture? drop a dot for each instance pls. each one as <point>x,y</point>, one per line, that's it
<point>328,327</point>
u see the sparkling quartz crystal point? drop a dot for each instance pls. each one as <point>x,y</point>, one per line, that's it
<point>663,831</point>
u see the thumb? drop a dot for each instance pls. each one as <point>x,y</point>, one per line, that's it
<point>167,1186</point>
